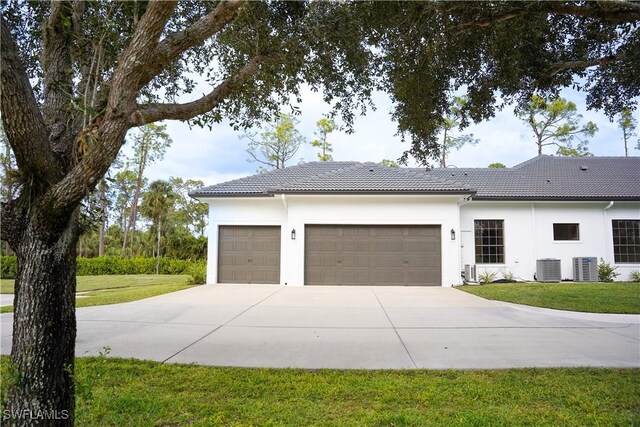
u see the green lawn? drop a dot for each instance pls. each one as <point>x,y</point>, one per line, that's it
<point>116,392</point>
<point>616,297</point>
<point>102,290</point>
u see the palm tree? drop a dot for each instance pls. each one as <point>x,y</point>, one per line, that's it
<point>156,204</point>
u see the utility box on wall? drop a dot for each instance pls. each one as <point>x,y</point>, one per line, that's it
<point>585,269</point>
<point>548,270</point>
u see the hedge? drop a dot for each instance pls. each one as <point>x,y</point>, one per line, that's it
<point>107,265</point>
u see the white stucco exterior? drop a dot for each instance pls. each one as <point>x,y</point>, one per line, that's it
<point>528,228</point>
<point>528,233</point>
<point>295,211</point>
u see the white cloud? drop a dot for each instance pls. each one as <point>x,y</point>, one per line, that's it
<point>219,155</point>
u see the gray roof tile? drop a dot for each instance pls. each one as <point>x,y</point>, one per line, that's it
<point>541,178</point>
<point>555,178</point>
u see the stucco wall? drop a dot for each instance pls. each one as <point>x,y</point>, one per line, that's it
<point>528,230</point>
<point>295,211</point>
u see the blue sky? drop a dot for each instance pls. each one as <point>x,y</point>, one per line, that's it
<point>219,154</point>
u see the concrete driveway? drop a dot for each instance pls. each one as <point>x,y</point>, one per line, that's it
<point>350,327</point>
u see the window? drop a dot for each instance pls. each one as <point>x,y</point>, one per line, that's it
<point>626,240</point>
<point>566,232</point>
<point>489,241</point>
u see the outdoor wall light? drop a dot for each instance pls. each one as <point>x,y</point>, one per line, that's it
<point>453,234</point>
<point>293,234</point>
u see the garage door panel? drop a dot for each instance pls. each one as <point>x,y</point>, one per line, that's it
<point>249,254</point>
<point>372,255</point>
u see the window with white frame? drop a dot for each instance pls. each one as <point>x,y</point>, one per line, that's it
<point>566,231</point>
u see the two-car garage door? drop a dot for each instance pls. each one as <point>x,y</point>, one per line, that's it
<point>335,255</point>
<point>372,255</point>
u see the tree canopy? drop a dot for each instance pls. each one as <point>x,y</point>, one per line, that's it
<point>77,76</point>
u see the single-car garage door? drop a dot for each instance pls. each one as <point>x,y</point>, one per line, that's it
<point>372,255</point>
<point>248,254</point>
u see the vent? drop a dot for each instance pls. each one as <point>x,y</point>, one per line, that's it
<point>585,269</point>
<point>470,275</point>
<point>548,270</point>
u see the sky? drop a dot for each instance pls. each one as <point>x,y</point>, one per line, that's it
<point>219,155</point>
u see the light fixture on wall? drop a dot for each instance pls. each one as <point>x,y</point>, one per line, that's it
<point>293,234</point>
<point>453,234</point>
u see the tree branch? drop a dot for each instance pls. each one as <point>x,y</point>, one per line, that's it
<point>177,43</point>
<point>612,10</point>
<point>570,65</point>
<point>138,57</point>
<point>58,78</point>
<point>23,123</point>
<point>55,206</point>
<point>149,113</point>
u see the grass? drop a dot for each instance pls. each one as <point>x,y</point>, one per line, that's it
<point>102,290</point>
<point>115,392</point>
<point>615,297</point>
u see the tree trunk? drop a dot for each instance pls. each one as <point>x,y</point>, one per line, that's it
<point>158,252</point>
<point>443,159</point>
<point>44,330</point>
<point>103,216</point>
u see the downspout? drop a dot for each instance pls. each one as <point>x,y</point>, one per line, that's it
<point>464,201</point>
<point>606,232</point>
<point>283,245</point>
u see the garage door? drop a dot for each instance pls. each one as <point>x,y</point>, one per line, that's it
<point>372,255</point>
<point>248,254</point>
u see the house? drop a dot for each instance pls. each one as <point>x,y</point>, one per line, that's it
<point>350,223</point>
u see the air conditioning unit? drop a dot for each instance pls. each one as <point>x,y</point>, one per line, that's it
<point>548,270</point>
<point>585,269</point>
<point>470,274</point>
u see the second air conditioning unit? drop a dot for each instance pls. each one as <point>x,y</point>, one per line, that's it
<point>470,273</point>
<point>585,269</point>
<point>548,270</point>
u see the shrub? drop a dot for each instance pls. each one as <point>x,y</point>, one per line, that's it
<point>508,276</point>
<point>8,267</point>
<point>635,276</point>
<point>487,277</point>
<point>606,273</point>
<point>198,273</point>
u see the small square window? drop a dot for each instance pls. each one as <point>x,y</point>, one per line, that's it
<point>566,231</point>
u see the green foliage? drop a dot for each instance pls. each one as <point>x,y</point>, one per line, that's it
<point>8,267</point>
<point>487,277</point>
<point>276,145</point>
<point>496,165</point>
<point>508,276</point>
<point>556,122</point>
<point>620,297</point>
<point>456,117</point>
<point>635,276</point>
<point>108,265</point>
<point>325,127</point>
<point>389,163</point>
<point>198,273</point>
<point>606,273</point>
<point>627,123</point>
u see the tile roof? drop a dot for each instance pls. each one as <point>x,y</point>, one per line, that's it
<point>541,178</point>
<point>554,178</point>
